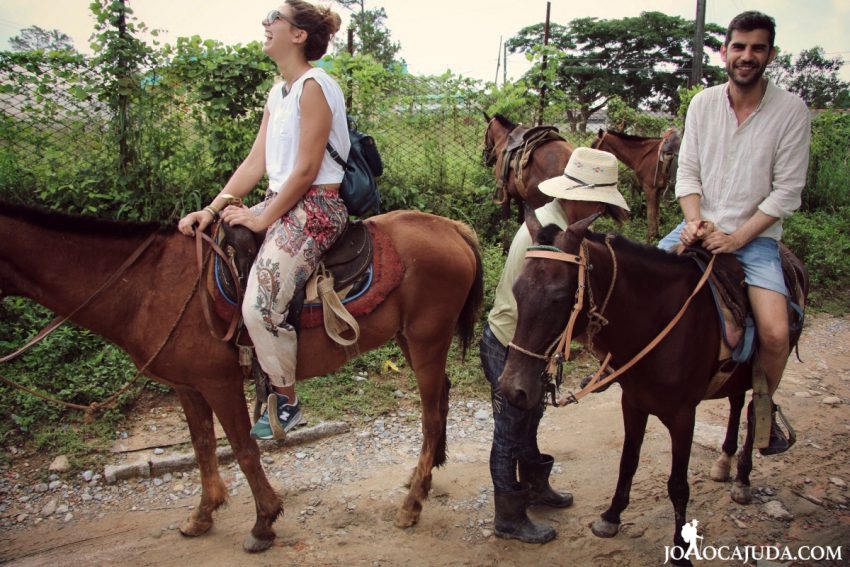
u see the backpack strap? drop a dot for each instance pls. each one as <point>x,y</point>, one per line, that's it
<point>336,156</point>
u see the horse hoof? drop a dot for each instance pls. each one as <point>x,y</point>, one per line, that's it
<point>604,528</point>
<point>406,519</point>
<point>742,494</point>
<point>193,527</point>
<point>720,471</point>
<point>255,545</point>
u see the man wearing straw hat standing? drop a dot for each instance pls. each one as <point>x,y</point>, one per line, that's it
<point>520,472</point>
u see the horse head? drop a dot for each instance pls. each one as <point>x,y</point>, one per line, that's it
<point>545,294</point>
<point>495,135</point>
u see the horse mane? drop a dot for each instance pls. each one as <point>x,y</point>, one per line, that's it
<point>81,224</point>
<point>625,136</point>
<point>504,121</point>
<point>647,252</point>
<point>546,235</point>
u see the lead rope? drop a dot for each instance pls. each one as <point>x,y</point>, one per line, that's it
<point>94,407</point>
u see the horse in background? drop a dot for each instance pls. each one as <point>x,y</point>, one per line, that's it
<point>668,382</point>
<point>154,312</point>
<point>522,157</point>
<point>652,160</point>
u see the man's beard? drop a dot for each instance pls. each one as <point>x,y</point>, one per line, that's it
<point>748,82</point>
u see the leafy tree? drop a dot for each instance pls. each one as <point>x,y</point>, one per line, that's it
<point>371,36</point>
<point>643,60</point>
<point>34,37</point>
<point>814,77</point>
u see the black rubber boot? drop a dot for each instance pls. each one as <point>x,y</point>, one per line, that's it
<point>779,442</point>
<point>537,475</point>
<point>512,522</point>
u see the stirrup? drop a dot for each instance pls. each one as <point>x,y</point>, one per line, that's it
<point>274,417</point>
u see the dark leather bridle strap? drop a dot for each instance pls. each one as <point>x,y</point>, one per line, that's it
<point>200,238</point>
<point>55,323</point>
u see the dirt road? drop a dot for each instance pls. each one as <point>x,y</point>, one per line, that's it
<point>341,493</point>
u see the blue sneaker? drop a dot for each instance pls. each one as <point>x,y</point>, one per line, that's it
<point>284,416</point>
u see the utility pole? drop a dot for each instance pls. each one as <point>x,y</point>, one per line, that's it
<point>699,37</point>
<point>498,61</point>
<point>543,66</point>
<point>505,64</point>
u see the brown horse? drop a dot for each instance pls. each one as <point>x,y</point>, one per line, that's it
<point>652,161</point>
<point>58,260</point>
<point>544,161</point>
<point>668,382</point>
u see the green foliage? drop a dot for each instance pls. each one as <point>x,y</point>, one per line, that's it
<point>373,38</point>
<point>814,77</point>
<point>622,118</point>
<point>828,182</point>
<point>822,240</point>
<point>643,60</point>
<point>71,365</point>
<point>34,37</point>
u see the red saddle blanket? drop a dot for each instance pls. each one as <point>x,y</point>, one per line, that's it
<point>387,272</point>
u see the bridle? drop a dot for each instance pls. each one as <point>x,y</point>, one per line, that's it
<point>489,153</point>
<point>559,351</point>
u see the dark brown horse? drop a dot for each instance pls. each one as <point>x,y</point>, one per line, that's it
<point>59,260</point>
<point>542,161</point>
<point>647,289</point>
<point>652,161</point>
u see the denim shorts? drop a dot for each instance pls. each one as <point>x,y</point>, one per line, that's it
<point>760,260</point>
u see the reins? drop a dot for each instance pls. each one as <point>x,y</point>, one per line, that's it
<point>561,353</point>
<point>90,409</point>
<point>201,260</point>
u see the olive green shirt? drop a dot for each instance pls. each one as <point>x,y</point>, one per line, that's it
<point>502,316</point>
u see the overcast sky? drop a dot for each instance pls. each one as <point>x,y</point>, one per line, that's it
<point>435,35</point>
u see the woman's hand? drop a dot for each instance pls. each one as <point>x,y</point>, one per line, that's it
<point>242,216</point>
<point>200,218</point>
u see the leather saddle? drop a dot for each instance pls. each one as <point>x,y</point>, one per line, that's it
<point>733,304</point>
<point>521,143</point>
<point>347,261</point>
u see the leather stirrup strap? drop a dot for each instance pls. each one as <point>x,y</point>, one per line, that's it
<point>762,405</point>
<point>336,317</point>
<point>201,261</point>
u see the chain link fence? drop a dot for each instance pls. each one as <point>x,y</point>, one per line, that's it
<point>65,145</point>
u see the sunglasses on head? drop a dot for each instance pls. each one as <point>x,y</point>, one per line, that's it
<point>277,14</point>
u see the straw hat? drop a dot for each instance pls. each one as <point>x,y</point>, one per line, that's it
<point>590,175</point>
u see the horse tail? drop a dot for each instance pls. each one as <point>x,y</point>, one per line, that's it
<point>472,307</point>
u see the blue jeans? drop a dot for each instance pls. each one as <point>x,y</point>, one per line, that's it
<point>514,430</point>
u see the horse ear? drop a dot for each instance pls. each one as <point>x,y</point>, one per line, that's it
<point>580,228</point>
<point>531,222</point>
<point>486,116</point>
<point>600,133</point>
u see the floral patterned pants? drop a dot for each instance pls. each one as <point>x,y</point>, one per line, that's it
<point>293,247</point>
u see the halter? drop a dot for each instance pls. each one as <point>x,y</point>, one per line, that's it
<point>553,374</point>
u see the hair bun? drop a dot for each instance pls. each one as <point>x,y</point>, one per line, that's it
<point>331,19</point>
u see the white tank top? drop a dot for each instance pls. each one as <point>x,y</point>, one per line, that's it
<point>284,130</point>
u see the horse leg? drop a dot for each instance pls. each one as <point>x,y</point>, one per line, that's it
<point>721,467</point>
<point>634,422</point>
<point>741,491</point>
<point>213,491</point>
<point>429,365</point>
<point>229,405</point>
<point>681,429</point>
<point>652,208</point>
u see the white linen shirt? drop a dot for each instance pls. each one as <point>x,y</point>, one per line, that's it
<point>738,169</point>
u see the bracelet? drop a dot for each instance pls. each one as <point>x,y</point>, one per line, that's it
<point>230,199</point>
<point>212,210</point>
